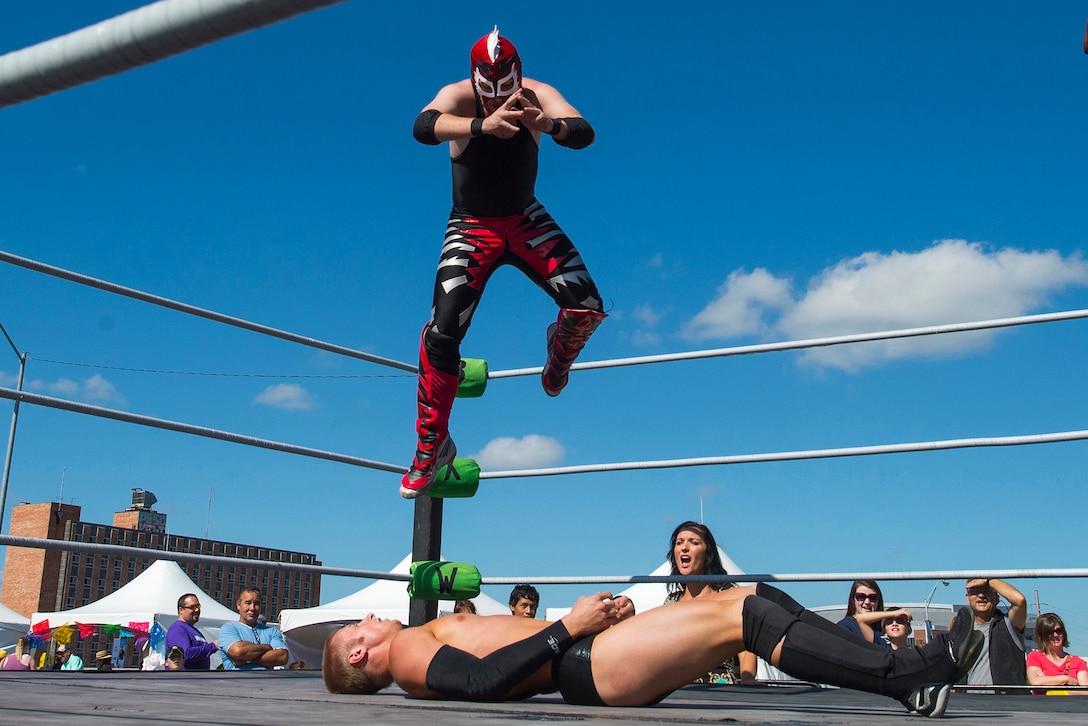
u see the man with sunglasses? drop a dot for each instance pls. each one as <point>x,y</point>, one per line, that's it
<point>1002,661</point>
<point>183,634</point>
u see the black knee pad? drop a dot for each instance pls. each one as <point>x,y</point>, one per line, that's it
<point>442,351</point>
<point>779,598</point>
<point>764,625</point>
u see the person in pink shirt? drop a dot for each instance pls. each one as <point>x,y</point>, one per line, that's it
<point>1049,664</point>
<point>20,659</point>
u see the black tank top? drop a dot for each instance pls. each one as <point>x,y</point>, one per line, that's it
<point>495,177</point>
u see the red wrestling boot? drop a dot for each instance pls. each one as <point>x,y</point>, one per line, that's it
<point>566,338</point>
<point>436,449</point>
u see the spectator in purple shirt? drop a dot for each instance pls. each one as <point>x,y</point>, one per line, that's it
<point>183,634</point>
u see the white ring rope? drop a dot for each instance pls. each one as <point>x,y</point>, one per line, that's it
<point>49,401</point>
<point>808,343</point>
<point>797,455</point>
<point>158,423</point>
<point>586,365</point>
<point>145,35</point>
<point>153,554</point>
<point>199,312</point>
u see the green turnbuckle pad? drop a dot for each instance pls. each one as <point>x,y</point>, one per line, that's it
<point>473,378</point>
<point>433,580</point>
<point>460,479</point>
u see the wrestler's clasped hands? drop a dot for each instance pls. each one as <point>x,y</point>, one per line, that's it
<point>519,106</point>
<point>594,613</point>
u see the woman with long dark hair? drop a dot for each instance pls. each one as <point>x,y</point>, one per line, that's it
<point>693,551</point>
<point>865,612</point>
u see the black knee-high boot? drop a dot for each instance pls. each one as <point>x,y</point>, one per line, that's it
<point>816,654</point>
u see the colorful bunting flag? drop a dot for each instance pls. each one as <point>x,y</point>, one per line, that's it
<point>157,635</point>
<point>63,634</point>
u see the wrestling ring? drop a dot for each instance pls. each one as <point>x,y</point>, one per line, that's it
<point>20,81</point>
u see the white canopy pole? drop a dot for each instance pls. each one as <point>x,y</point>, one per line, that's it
<point>136,38</point>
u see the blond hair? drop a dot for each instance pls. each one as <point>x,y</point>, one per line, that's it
<point>340,676</point>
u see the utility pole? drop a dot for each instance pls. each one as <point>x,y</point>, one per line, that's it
<point>11,436</point>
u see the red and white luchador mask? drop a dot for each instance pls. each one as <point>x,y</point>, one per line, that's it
<point>496,68</point>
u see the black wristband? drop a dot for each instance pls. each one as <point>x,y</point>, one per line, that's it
<point>557,126</point>
<point>477,127</point>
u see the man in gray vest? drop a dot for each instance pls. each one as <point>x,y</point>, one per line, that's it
<point>1002,659</point>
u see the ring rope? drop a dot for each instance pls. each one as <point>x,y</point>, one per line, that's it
<point>153,554</point>
<point>536,370</point>
<point>200,312</point>
<point>797,455</point>
<point>37,399</point>
<point>158,423</point>
<point>809,343</point>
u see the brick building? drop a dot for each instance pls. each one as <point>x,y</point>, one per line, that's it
<point>37,580</point>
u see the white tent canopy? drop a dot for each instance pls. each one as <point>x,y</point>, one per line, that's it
<point>305,629</point>
<point>12,626</point>
<point>150,597</point>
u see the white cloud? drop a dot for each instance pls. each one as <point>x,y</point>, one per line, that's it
<point>743,300</point>
<point>656,261</point>
<point>530,452</point>
<point>62,387</point>
<point>648,316</point>
<point>95,389</point>
<point>288,396</point>
<point>951,281</point>
<point>643,339</point>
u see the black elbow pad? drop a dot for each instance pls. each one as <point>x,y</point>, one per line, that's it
<point>423,129</point>
<point>454,673</point>
<point>579,133</point>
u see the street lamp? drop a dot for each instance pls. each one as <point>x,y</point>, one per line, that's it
<point>929,624</point>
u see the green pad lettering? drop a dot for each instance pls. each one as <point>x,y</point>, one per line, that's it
<point>432,580</point>
<point>473,378</point>
<point>459,479</point>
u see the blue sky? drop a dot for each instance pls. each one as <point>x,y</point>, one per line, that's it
<point>762,172</point>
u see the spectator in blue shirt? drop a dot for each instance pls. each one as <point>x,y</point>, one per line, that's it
<point>250,644</point>
<point>66,660</point>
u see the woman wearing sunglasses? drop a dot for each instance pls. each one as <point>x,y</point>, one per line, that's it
<point>865,612</point>
<point>1049,664</point>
